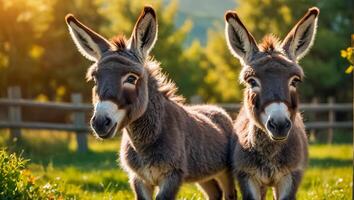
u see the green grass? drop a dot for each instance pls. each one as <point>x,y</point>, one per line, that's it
<point>97,175</point>
<point>330,173</point>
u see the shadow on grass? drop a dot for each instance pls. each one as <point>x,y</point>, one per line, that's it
<point>329,162</point>
<point>107,185</point>
<point>85,162</point>
<point>58,154</point>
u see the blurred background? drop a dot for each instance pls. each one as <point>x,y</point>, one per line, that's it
<point>39,62</point>
<point>37,54</point>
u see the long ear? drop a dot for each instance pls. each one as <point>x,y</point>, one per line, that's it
<point>89,43</point>
<point>241,43</point>
<point>299,40</point>
<point>145,32</point>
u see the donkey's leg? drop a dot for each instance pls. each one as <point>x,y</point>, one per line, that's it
<point>227,184</point>
<point>287,187</point>
<point>142,190</point>
<point>170,185</point>
<point>263,192</point>
<point>211,189</point>
<point>250,188</point>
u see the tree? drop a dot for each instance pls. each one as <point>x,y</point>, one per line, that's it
<point>36,51</point>
<point>221,80</point>
<point>61,68</point>
<point>22,23</point>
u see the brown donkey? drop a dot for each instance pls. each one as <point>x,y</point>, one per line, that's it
<point>164,142</point>
<point>272,145</point>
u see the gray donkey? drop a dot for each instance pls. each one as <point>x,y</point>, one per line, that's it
<point>164,143</point>
<point>271,150</point>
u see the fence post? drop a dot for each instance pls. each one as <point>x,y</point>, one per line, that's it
<point>14,93</point>
<point>313,117</point>
<point>79,122</point>
<point>331,120</point>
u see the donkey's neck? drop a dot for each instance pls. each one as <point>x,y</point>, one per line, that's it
<point>144,131</point>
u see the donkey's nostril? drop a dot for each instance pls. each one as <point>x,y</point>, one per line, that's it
<point>278,128</point>
<point>271,124</point>
<point>107,121</point>
<point>101,124</point>
<point>287,124</point>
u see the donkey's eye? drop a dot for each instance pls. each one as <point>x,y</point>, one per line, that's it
<point>252,82</point>
<point>131,79</point>
<point>295,82</point>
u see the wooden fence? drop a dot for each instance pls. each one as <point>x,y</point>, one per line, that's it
<point>80,126</point>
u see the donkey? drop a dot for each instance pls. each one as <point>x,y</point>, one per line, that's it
<point>271,149</point>
<point>164,142</point>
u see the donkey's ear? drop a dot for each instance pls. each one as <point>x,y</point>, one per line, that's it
<point>299,40</point>
<point>90,44</point>
<point>241,43</point>
<point>145,32</point>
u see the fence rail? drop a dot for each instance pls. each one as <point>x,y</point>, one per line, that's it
<point>49,105</point>
<point>14,103</point>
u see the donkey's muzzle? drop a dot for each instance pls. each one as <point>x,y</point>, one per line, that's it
<point>279,128</point>
<point>103,126</point>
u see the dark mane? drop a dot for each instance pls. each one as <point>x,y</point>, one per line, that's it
<point>270,44</point>
<point>167,87</point>
<point>119,41</point>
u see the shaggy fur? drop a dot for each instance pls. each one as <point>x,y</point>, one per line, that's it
<point>270,72</point>
<point>119,42</point>
<point>270,44</point>
<point>165,142</point>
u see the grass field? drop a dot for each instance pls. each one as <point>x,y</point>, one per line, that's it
<point>96,174</point>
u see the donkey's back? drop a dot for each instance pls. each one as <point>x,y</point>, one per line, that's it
<point>217,115</point>
<point>207,140</point>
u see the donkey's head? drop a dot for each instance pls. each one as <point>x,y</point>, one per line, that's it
<point>120,94</point>
<point>271,72</point>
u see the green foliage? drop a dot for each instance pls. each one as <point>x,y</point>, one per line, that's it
<point>16,182</point>
<point>349,55</point>
<point>22,22</point>
<point>221,80</point>
<point>36,45</point>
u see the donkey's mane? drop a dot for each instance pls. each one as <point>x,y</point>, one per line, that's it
<point>167,87</point>
<point>271,44</point>
<point>119,41</point>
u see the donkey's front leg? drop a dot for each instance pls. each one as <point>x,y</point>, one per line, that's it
<point>227,184</point>
<point>142,190</point>
<point>250,188</point>
<point>170,185</point>
<point>287,187</point>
